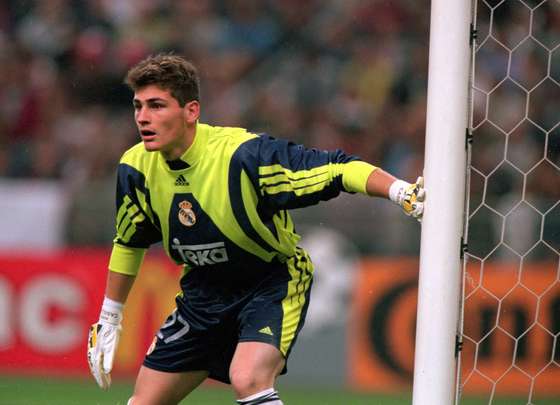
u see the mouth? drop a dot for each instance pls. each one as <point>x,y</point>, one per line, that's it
<point>147,134</point>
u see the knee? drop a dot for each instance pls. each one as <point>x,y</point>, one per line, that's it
<point>149,400</point>
<point>247,382</point>
<point>136,400</point>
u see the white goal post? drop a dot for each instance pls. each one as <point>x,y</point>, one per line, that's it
<point>439,293</point>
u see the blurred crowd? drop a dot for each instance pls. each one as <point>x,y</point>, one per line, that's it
<point>330,74</point>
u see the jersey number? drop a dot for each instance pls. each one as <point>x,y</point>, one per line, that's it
<point>172,323</point>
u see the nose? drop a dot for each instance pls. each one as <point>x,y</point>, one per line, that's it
<point>142,116</point>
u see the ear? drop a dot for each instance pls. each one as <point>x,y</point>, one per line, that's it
<point>191,111</point>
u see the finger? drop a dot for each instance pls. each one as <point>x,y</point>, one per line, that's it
<point>421,195</point>
<point>110,350</point>
<point>419,210</point>
<point>105,380</point>
<point>99,379</point>
<point>99,368</point>
<point>420,181</point>
<point>108,357</point>
<point>96,367</point>
<point>98,376</point>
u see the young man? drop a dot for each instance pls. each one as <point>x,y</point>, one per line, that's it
<point>217,198</point>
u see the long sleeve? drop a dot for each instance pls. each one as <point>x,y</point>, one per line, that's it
<point>126,260</point>
<point>289,176</point>
<point>136,223</point>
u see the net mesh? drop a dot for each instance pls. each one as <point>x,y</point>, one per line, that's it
<point>511,303</point>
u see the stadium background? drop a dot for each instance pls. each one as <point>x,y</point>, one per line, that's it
<point>330,74</point>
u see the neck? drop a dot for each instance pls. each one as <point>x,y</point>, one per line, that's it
<point>177,150</point>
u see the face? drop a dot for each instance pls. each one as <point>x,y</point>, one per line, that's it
<point>163,124</point>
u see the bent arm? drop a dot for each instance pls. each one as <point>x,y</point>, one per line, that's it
<point>409,196</point>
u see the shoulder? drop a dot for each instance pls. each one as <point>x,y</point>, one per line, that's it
<point>134,153</point>
<point>268,149</point>
<point>137,157</point>
<point>230,136</point>
<point>135,167</point>
<point>237,143</point>
<point>250,145</point>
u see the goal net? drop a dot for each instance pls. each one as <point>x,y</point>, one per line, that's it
<point>511,299</point>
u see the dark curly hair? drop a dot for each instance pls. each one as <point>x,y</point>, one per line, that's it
<point>168,71</point>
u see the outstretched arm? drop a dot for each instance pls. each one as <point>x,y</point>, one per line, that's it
<point>409,196</point>
<point>379,182</point>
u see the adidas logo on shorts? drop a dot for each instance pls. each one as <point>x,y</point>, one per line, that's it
<point>181,181</point>
<point>267,331</point>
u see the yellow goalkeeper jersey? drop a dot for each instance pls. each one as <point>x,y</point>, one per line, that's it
<point>226,201</point>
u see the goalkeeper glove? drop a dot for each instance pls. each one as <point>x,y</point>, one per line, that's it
<point>409,196</point>
<point>103,340</point>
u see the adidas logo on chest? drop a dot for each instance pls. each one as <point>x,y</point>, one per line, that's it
<point>181,181</point>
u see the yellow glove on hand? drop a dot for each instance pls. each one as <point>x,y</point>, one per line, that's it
<point>103,340</point>
<point>409,196</point>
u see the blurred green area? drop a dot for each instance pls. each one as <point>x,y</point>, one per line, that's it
<point>81,391</point>
<point>72,391</point>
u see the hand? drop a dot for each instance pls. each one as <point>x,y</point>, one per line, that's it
<point>410,197</point>
<point>103,340</point>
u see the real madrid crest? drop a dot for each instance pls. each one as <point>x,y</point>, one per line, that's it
<point>186,214</point>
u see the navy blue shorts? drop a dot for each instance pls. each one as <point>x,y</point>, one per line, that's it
<point>219,308</point>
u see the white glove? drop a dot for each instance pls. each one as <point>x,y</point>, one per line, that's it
<point>409,196</point>
<point>103,339</point>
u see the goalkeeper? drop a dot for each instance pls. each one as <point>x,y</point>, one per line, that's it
<point>217,198</point>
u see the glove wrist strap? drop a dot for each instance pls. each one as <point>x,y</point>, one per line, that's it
<point>397,190</point>
<point>111,312</point>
